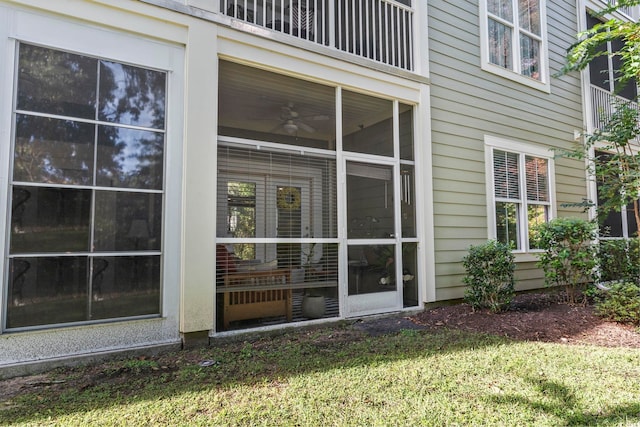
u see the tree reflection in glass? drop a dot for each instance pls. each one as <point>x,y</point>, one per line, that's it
<point>131,95</point>
<point>507,224</point>
<point>53,151</point>
<point>125,286</point>
<point>129,158</point>
<point>49,219</point>
<point>127,221</point>
<point>56,82</point>
<point>47,290</point>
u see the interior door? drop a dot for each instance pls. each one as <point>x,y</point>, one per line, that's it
<point>255,206</point>
<point>290,199</point>
<point>372,238</point>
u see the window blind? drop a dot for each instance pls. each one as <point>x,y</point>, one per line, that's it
<point>505,175</point>
<point>537,179</point>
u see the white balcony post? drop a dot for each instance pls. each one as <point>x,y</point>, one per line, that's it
<point>330,16</point>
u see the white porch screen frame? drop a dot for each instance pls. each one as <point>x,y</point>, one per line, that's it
<point>526,189</point>
<point>517,30</point>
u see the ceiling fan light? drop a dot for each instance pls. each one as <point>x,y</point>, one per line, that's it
<point>290,127</point>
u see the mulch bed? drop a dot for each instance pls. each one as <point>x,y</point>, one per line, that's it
<point>535,317</point>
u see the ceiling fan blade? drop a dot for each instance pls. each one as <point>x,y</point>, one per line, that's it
<point>317,117</point>
<point>305,127</point>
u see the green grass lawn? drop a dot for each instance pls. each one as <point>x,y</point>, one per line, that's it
<point>340,376</point>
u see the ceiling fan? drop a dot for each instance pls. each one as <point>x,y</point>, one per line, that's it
<point>291,121</point>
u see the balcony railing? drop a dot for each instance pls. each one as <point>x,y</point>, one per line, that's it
<point>381,30</point>
<point>603,104</point>
<point>627,10</point>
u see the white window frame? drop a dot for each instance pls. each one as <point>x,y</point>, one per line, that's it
<point>515,74</point>
<point>492,143</point>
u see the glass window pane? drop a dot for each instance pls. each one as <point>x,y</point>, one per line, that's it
<point>371,269</point>
<point>47,291</point>
<point>49,220</point>
<point>501,8</point>
<point>53,151</point>
<point>125,286</point>
<point>130,158</point>
<point>530,61</point>
<point>611,226</point>
<point>506,178</point>
<point>370,212</point>
<point>131,95</point>
<point>127,221</point>
<point>406,132</point>
<point>500,47</point>
<point>367,124</point>
<point>632,228</point>
<point>410,274</point>
<point>408,199</point>
<point>529,11</point>
<point>55,82</point>
<point>241,216</point>
<point>507,224</point>
<point>536,214</point>
<point>537,178</point>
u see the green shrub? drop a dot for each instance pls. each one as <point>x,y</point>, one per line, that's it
<point>621,303</point>
<point>490,280</point>
<point>618,260</point>
<point>569,257</point>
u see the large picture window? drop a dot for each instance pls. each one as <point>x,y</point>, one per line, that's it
<point>514,38</point>
<point>86,190</point>
<point>521,188</point>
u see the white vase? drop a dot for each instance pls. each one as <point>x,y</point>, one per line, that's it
<point>313,306</point>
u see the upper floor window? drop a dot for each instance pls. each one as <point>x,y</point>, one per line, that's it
<point>521,191</point>
<point>514,40</point>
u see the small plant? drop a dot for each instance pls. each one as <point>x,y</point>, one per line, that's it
<point>490,276</point>
<point>569,257</point>
<point>621,303</point>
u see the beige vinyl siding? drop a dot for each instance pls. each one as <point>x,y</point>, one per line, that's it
<point>469,103</point>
